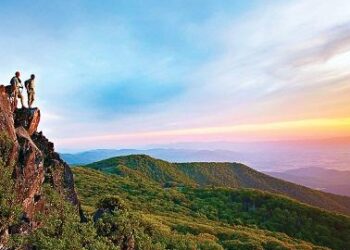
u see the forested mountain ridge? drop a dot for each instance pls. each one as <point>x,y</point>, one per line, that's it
<point>233,175</point>
<point>194,217</point>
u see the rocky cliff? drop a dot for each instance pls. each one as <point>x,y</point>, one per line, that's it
<point>33,162</point>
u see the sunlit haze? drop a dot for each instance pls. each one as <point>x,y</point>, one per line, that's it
<point>138,73</point>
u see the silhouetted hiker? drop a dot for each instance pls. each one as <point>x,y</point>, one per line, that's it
<point>29,84</point>
<point>16,84</point>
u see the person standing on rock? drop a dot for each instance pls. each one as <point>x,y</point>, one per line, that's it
<point>29,84</point>
<point>16,84</point>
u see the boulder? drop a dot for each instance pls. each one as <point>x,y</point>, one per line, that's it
<point>27,118</point>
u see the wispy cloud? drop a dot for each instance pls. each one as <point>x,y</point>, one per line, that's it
<point>118,68</point>
<point>274,55</point>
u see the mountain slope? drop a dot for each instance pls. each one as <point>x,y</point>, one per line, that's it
<point>148,167</point>
<point>231,175</point>
<point>238,175</point>
<point>225,218</point>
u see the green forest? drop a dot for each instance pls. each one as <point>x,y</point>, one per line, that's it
<point>145,203</point>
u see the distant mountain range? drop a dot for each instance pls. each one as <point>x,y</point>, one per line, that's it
<point>272,157</point>
<point>172,155</point>
<point>328,180</point>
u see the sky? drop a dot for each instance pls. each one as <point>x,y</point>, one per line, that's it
<point>114,74</point>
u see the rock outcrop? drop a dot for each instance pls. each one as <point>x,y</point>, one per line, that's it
<point>6,115</point>
<point>34,162</point>
<point>27,118</point>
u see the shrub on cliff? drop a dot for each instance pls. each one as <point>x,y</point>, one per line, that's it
<point>6,146</point>
<point>61,228</point>
<point>10,211</point>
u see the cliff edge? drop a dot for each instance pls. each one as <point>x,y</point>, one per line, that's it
<point>33,162</point>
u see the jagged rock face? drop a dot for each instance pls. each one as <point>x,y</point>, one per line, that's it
<point>27,118</point>
<point>29,174</point>
<point>57,172</point>
<point>6,115</point>
<point>34,160</point>
<point>7,122</point>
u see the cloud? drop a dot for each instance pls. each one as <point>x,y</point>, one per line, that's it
<point>271,64</point>
<point>323,47</point>
<point>119,68</point>
<point>277,52</point>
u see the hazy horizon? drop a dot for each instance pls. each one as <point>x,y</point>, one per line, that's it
<point>263,156</point>
<point>224,145</point>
